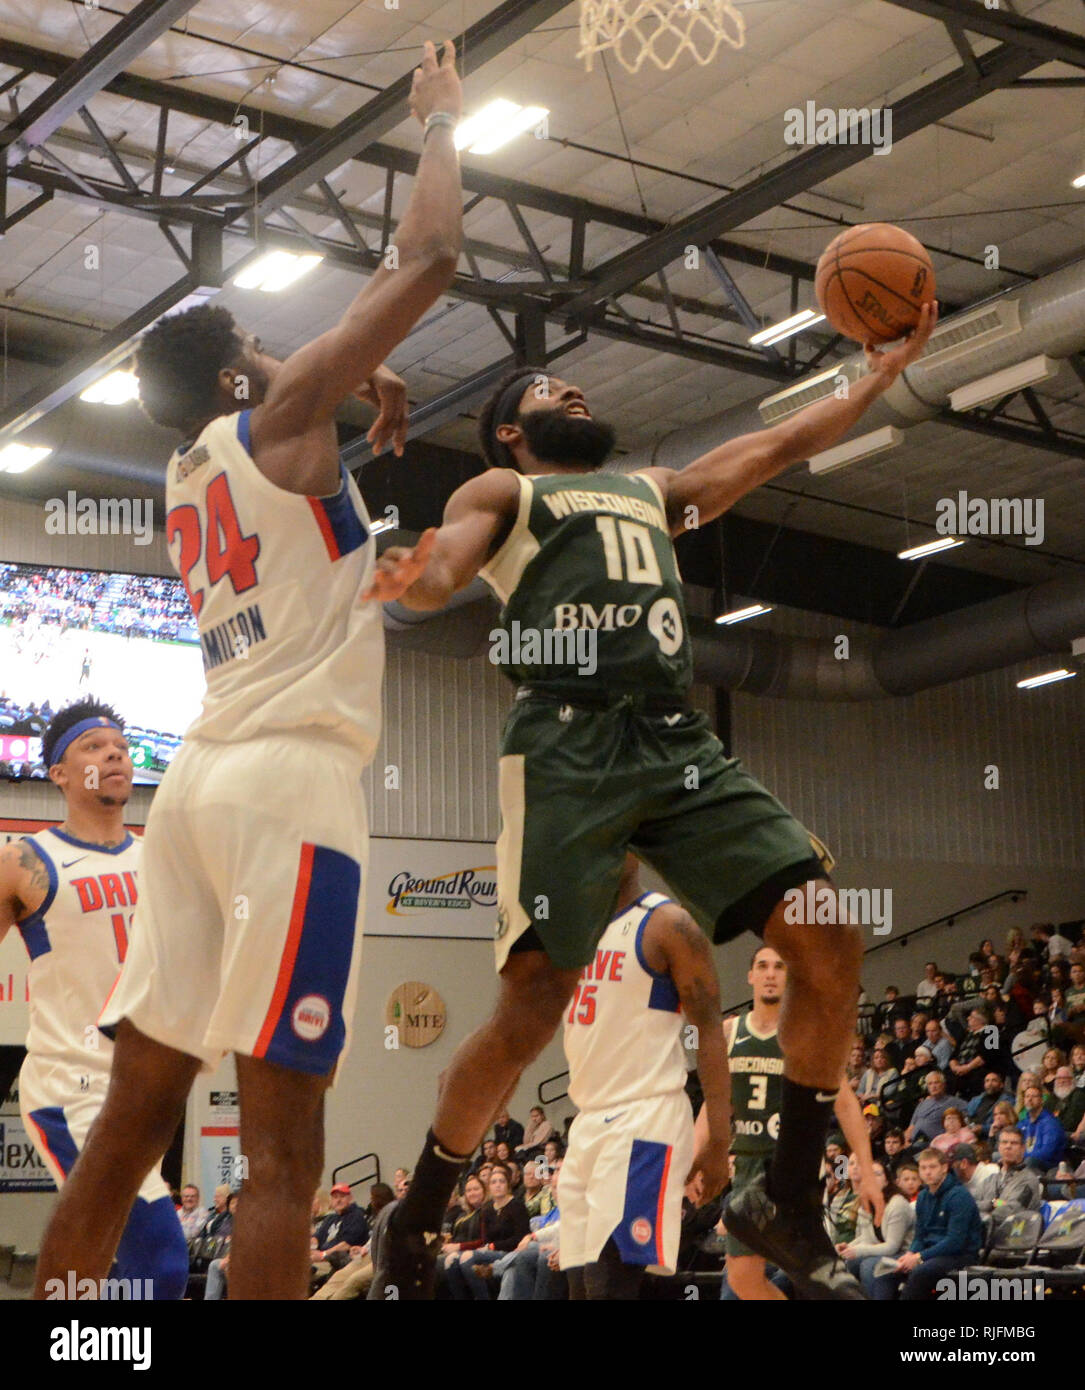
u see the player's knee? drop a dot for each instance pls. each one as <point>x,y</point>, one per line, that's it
<point>746,1277</point>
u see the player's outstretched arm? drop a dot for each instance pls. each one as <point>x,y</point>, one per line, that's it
<point>24,882</point>
<point>717,480</point>
<point>477,517</point>
<point>675,943</point>
<point>311,384</point>
<point>850,1116</point>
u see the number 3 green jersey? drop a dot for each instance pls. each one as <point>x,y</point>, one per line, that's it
<point>757,1070</point>
<point>590,586</point>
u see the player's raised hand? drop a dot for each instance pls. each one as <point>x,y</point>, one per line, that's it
<point>388,393</point>
<point>399,567</point>
<point>436,85</point>
<point>712,1162</point>
<point>893,361</point>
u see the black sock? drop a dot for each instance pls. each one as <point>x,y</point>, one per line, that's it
<point>805,1114</point>
<point>432,1183</point>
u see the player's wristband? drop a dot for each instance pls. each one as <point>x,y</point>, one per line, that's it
<point>445,118</point>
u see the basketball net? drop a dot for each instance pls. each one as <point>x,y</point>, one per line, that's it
<point>658,29</point>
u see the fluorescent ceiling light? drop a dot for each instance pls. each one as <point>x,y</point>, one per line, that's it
<point>115,388</point>
<point>496,124</point>
<point>379,526</point>
<point>17,458</point>
<point>1062,674</point>
<point>992,388</point>
<point>786,327</point>
<point>919,552</point>
<point>739,615</point>
<point>276,271</point>
<point>863,447</point>
<point>1079,182</point>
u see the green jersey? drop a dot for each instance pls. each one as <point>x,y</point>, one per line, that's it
<point>757,1070</point>
<point>591,594</point>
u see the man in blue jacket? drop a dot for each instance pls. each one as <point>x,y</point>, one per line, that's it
<point>948,1228</point>
<point>1045,1138</point>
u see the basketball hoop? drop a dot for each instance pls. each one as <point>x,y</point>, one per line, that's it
<point>658,29</point>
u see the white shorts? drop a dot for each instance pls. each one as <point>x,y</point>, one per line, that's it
<point>623,1177</point>
<point>57,1113</point>
<point>247,935</point>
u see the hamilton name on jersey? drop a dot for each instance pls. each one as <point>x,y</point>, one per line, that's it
<point>232,639</point>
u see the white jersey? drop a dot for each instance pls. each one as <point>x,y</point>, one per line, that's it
<point>274,579</point>
<point>623,1029</point>
<point>77,941</point>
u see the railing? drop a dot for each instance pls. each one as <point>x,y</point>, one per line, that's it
<point>374,1173</point>
<point>949,920</point>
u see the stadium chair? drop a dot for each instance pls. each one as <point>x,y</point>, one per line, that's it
<point>1012,1238</point>
<point>1062,1242</point>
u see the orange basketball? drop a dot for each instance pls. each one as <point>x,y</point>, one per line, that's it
<point>872,281</point>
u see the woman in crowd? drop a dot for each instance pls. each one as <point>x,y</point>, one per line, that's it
<point>322,1205</point>
<point>876,1076</point>
<point>954,1131</point>
<point>871,1243</point>
<point>535,1192</point>
<point>503,1223</point>
<point>1003,1116</point>
<point>856,1066</point>
<point>1077,1061</point>
<point>844,1205</point>
<point>502,1152</point>
<point>537,1131</point>
<point>1054,1058</point>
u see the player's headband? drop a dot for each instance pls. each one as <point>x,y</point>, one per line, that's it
<point>508,406</point>
<point>68,737</point>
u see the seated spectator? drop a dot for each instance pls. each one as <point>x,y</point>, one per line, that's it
<point>502,1152</point>
<point>487,1154</point>
<point>1045,1138</point>
<point>843,1208</point>
<point>483,1175</point>
<point>979,1179</point>
<point>516,1178</point>
<point>927,1119</point>
<point>217,1216</point>
<point>553,1151</point>
<point>1016,1188</point>
<point>856,1066</point>
<point>888,1008</point>
<point>918,1026</point>
<point>875,1128</point>
<point>1056,1007</point>
<point>537,1195</point>
<point>939,1042</point>
<point>1051,945</point>
<point>1003,1116</point>
<point>1054,1058</point>
<point>902,1098</point>
<point>465,1227</point>
<point>503,1223</point>
<point>356,1277</point>
<point>907,1180</point>
<point>193,1219</point>
<point>1069,1109</point>
<point>1077,1062</point>
<point>927,988</point>
<point>322,1205</point>
<point>538,1131</point>
<point>893,1148</point>
<point>876,1076</point>
<point>870,1243</point>
<point>531,1270</point>
<point>948,1233</point>
<point>343,1227</point>
<point>218,1270</point>
<point>903,1044</point>
<point>1075,995</point>
<point>953,1131</point>
<point>1029,1078</point>
<point>508,1130</point>
<point>976,1056</point>
<point>980,1108</point>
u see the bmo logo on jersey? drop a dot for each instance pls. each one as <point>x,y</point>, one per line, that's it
<point>311,1016</point>
<point>755,1128</point>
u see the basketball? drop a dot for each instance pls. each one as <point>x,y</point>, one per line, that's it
<point>872,281</point>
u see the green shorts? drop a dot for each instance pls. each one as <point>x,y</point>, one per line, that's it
<point>581,786</point>
<point>748,1168</point>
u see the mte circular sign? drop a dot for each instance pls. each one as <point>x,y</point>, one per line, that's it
<point>417,1011</point>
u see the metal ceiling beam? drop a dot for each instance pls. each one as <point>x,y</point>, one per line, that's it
<point>800,174</point>
<point>1046,41</point>
<point>275,126</point>
<point>1068,445</point>
<point>82,77</point>
<point>486,39</point>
